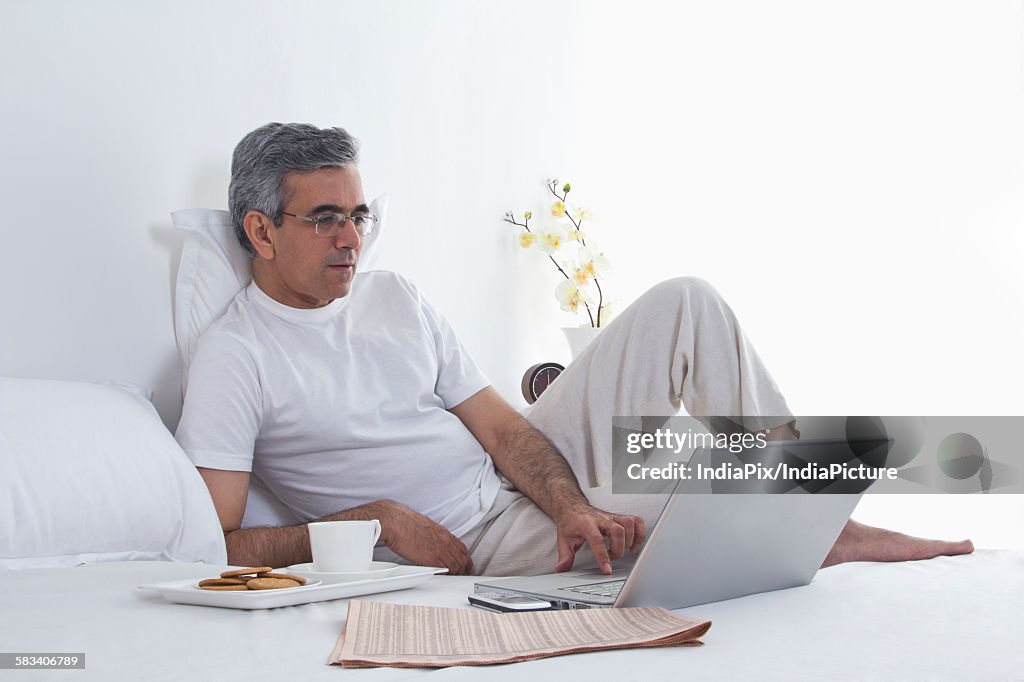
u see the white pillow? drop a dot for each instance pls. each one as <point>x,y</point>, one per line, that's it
<point>90,473</point>
<point>214,267</point>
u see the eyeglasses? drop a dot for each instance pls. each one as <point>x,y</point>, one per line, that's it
<point>331,224</point>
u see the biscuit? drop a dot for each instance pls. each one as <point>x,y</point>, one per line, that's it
<point>209,582</point>
<point>271,584</point>
<point>245,571</point>
<point>225,588</point>
<point>287,576</point>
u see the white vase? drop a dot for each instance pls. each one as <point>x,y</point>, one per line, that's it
<point>579,338</point>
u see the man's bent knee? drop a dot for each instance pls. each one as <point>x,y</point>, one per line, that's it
<point>688,290</point>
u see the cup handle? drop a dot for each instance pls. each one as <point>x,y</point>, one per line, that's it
<point>376,532</point>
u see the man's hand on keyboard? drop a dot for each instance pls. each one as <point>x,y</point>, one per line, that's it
<point>585,524</point>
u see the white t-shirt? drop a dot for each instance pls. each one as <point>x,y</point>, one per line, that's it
<point>338,406</point>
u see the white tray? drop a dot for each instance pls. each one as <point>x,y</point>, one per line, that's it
<point>186,592</point>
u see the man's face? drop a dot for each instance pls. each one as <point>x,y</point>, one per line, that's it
<point>304,269</point>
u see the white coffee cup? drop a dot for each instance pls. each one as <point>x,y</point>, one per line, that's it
<point>342,546</point>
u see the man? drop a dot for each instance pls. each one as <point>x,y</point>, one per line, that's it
<point>351,398</point>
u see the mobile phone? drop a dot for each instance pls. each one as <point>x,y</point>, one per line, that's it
<point>508,602</point>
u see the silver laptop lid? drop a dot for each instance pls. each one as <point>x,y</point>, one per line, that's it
<point>707,548</point>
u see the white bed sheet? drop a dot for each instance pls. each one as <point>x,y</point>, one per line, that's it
<point>949,618</point>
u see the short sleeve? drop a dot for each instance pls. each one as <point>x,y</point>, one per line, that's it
<point>458,376</point>
<point>222,412</point>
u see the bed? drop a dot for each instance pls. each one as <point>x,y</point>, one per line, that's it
<point>97,499</point>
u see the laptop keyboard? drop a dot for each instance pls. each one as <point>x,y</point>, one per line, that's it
<point>607,589</point>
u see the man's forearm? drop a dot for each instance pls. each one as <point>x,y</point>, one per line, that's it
<point>521,452</point>
<point>533,464</point>
<point>528,459</point>
<point>279,547</point>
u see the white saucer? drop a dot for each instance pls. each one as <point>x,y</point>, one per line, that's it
<point>378,569</point>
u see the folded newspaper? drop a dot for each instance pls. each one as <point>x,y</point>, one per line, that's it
<point>405,636</point>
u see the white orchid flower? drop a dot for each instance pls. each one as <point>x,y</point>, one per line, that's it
<point>593,261</point>
<point>580,213</point>
<point>551,238</point>
<point>579,273</point>
<point>570,296</point>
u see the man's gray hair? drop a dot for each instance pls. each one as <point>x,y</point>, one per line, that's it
<point>266,155</point>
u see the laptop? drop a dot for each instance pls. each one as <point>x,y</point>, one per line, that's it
<point>711,547</point>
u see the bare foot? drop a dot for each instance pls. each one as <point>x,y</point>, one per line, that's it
<point>858,542</point>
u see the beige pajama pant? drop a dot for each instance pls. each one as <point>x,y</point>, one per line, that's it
<point>679,345</point>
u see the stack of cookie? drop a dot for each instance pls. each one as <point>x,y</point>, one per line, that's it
<point>259,578</point>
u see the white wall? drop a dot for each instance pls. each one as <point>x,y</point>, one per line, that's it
<point>849,175</point>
